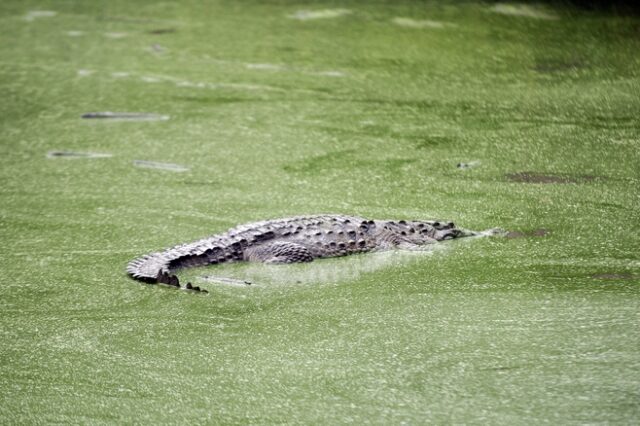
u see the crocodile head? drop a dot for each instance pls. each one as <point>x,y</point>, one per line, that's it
<point>424,232</point>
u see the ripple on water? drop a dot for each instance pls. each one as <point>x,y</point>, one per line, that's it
<point>84,73</point>
<point>115,35</point>
<point>522,10</point>
<point>422,23</point>
<point>125,116</point>
<point>32,15</point>
<point>615,276</point>
<point>306,15</point>
<point>161,166</point>
<point>535,233</point>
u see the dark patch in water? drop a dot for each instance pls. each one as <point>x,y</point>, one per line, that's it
<point>417,139</point>
<point>550,66</point>
<point>345,160</point>
<point>540,233</point>
<point>162,31</point>
<point>215,100</point>
<point>535,233</point>
<point>415,104</point>
<point>533,177</point>
<point>615,276</point>
<point>425,142</point>
<point>125,116</point>
<point>73,154</point>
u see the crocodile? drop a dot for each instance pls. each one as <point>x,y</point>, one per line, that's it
<point>291,240</point>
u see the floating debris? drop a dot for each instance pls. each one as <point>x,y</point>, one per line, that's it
<point>120,74</point>
<point>532,177</point>
<point>125,116</point>
<point>162,166</point>
<point>74,154</point>
<point>469,165</point>
<point>156,48</point>
<point>32,15</point>
<point>305,15</point>
<point>423,23</point>
<point>75,33</point>
<point>521,10</point>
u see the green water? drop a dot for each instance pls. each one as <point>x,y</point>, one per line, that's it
<point>349,107</point>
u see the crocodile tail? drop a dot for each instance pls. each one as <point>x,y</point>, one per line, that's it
<point>157,268</point>
<point>149,268</point>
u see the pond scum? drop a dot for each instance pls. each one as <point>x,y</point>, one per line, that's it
<point>129,126</point>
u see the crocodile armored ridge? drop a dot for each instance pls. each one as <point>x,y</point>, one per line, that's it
<point>291,240</point>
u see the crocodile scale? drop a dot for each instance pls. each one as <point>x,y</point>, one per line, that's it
<point>291,240</point>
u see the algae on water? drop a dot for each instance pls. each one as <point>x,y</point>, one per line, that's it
<point>279,109</point>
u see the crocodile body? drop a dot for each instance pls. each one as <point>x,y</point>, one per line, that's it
<point>290,240</point>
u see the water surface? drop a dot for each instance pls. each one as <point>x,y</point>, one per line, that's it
<point>280,109</point>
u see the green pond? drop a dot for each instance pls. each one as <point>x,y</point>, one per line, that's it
<point>519,116</point>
